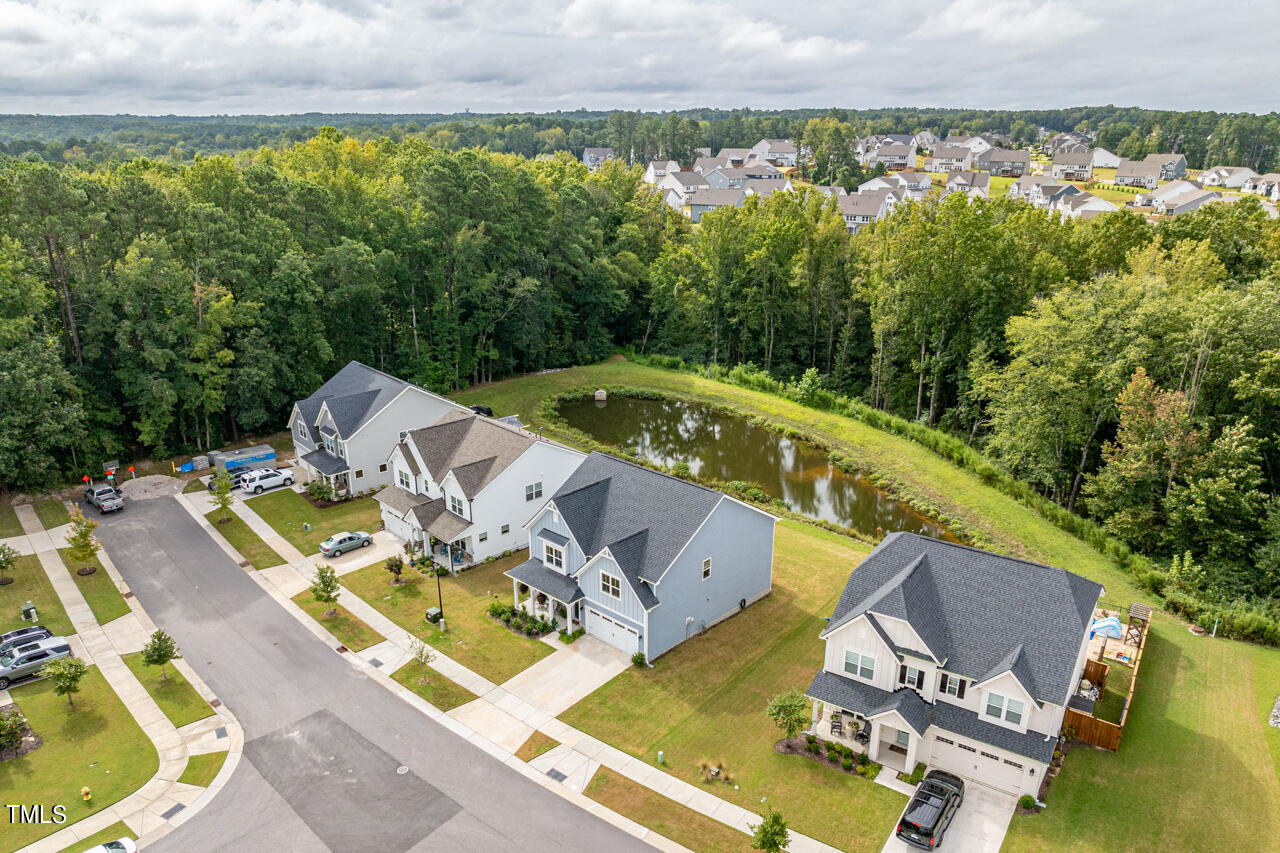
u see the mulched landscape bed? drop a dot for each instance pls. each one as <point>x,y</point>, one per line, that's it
<point>800,746</point>
<point>30,740</point>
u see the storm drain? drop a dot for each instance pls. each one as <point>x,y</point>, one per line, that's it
<point>172,810</point>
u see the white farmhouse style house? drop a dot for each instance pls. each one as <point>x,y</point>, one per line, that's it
<point>342,431</point>
<point>463,487</point>
<point>958,658</point>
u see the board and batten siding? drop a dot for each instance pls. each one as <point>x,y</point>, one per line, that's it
<point>549,519</point>
<point>628,606</point>
<point>371,444</point>
<point>739,541</point>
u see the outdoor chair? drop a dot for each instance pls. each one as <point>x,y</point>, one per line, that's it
<point>837,725</point>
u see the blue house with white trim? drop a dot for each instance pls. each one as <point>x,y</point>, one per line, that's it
<point>640,559</point>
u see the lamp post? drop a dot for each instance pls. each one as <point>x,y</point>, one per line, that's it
<point>439,592</point>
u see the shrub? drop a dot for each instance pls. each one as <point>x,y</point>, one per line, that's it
<point>834,755</point>
<point>811,739</point>
<point>320,490</point>
<point>638,659</point>
<point>847,764</point>
<point>813,747</point>
<point>862,758</point>
<point>872,770</point>
<point>1026,801</point>
<point>914,777</point>
<point>12,726</point>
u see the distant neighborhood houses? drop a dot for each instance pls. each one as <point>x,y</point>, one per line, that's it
<point>726,179</point>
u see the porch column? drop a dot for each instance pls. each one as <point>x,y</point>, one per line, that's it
<point>873,748</point>
<point>817,709</point>
<point>515,592</point>
<point>913,747</point>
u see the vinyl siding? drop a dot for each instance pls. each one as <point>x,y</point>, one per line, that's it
<point>548,519</point>
<point>628,606</point>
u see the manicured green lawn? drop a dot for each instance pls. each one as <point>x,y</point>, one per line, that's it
<point>259,554</point>
<point>193,486</point>
<point>286,511</point>
<point>9,524</point>
<point>178,699</point>
<point>999,186</point>
<point>30,583</point>
<point>116,831</point>
<point>442,692</point>
<point>98,589</point>
<point>535,745</point>
<point>706,698</point>
<point>1111,703</point>
<point>1199,716</point>
<point>52,512</point>
<point>353,632</point>
<point>666,817</point>
<point>201,769</point>
<point>473,639</point>
<point>1194,752</point>
<point>96,743</point>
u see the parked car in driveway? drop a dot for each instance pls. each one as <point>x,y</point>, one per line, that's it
<point>120,845</point>
<point>27,660</point>
<point>22,637</point>
<point>339,543</point>
<point>104,497</point>
<point>264,478</point>
<point>931,810</point>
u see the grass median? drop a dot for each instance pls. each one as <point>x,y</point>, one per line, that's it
<point>98,589</point>
<point>178,699</point>
<point>232,528</point>
<point>289,512</point>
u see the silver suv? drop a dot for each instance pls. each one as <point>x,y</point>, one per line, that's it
<point>27,661</point>
<point>22,637</point>
<point>264,478</point>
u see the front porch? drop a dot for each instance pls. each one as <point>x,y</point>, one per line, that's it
<point>886,739</point>
<point>547,594</point>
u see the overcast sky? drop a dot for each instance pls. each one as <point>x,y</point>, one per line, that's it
<point>291,56</point>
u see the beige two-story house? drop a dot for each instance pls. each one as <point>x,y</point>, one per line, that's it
<point>955,657</point>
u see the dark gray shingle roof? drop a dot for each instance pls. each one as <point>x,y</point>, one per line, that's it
<point>558,586</point>
<point>974,608</point>
<point>476,449</point>
<point>643,517</point>
<point>325,462</point>
<point>353,395</point>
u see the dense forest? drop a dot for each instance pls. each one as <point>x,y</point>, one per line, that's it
<point>1206,138</point>
<point>1128,372</point>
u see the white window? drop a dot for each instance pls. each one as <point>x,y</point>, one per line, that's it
<point>706,568</point>
<point>995,705</point>
<point>359,473</point>
<point>533,491</point>
<point>506,528</point>
<point>863,666</point>
<point>951,685</point>
<point>483,537</point>
<point>342,449</point>
<point>1013,711</point>
<point>610,585</point>
<point>553,556</point>
<point>455,504</point>
<point>404,480</point>
<point>382,469</point>
<point>911,677</point>
<point>328,444</point>
<point>1010,709</point>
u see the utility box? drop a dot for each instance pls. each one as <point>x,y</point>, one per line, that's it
<point>258,456</point>
<point>433,615</point>
<point>29,613</point>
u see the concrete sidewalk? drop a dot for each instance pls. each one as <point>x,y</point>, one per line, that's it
<point>501,719</point>
<point>163,803</point>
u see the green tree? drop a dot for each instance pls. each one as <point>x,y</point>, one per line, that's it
<point>159,651</point>
<point>65,674</point>
<point>222,495</point>
<point>789,711</point>
<point>13,727</point>
<point>82,545</point>
<point>8,559</point>
<point>325,589</point>
<point>395,565</point>
<point>771,834</point>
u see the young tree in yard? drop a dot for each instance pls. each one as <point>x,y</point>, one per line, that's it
<point>8,558</point>
<point>324,588</point>
<point>159,650</point>
<point>788,711</point>
<point>66,674</point>
<point>81,543</point>
<point>422,652</point>
<point>12,726</point>
<point>395,566</point>
<point>222,496</point>
<point>770,835</point>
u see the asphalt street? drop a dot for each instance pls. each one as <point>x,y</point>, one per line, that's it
<point>323,742</point>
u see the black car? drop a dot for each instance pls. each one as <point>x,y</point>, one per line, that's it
<point>931,810</point>
<point>22,636</point>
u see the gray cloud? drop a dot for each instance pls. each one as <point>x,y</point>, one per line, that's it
<point>286,56</point>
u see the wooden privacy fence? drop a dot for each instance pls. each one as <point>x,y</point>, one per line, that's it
<point>1104,733</point>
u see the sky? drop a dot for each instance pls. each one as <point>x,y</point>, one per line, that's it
<point>428,56</point>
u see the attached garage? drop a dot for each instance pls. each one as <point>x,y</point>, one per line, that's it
<point>613,632</point>
<point>395,525</point>
<point>976,761</point>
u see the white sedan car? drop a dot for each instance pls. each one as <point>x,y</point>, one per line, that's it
<point>120,845</point>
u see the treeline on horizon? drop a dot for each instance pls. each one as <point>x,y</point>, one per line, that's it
<point>1127,372</point>
<point>1207,138</point>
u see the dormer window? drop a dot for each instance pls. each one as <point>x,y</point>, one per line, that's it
<point>553,556</point>
<point>455,504</point>
<point>405,484</point>
<point>1003,707</point>
<point>329,445</point>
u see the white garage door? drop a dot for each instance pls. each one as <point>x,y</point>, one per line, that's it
<point>614,633</point>
<point>970,761</point>
<point>395,525</point>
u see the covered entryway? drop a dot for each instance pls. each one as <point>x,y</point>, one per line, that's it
<point>613,632</point>
<point>970,760</point>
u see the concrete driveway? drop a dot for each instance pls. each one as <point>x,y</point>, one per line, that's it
<point>333,760</point>
<point>979,826</point>
<point>573,672</point>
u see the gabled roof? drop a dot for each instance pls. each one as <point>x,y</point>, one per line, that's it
<point>643,517</point>
<point>713,197</point>
<point>869,203</point>
<point>973,608</point>
<point>1005,155</point>
<point>1137,169</point>
<point>734,153</point>
<point>893,149</point>
<point>977,180</point>
<point>780,146</point>
<point>951,152</point>
<point>475,448</point>
<point>687,179</point>
<point>353,396</point>
<point>765,186</point>
<point>706,164</point>
<point>1073,158</point>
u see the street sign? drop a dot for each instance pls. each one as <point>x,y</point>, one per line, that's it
<point>108,467</point>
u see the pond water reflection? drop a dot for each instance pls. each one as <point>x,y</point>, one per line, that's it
<point>726,447</point>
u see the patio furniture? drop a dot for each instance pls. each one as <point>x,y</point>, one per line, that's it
<point>863,736</point>
<point>837,725</point>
